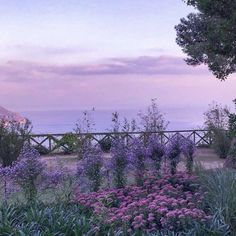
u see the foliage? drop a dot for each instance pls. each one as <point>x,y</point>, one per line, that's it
<point>61,181</point>
<point>156,152</point>
<point>12,138</point>
<point>91,168</point>
<point>216,120</point>
<point>40,219</point>
<point>221,143</point>
<point>84,127</point>
<point>173,152</point>
<point>152,120</point>
<point>119,162</point>
<point>188,149</point>
<point>220,185</point>
<point>41,149</point>
<point>69,140</point>
<point>216,117</point>
<point>27,170</point>
<point>138,158</point>
<point>232,123</point>
<point>106,144</point>
<point>208,35</point>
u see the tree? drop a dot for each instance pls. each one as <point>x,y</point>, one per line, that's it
<point>232,123</point>
<point>209,36</point>
<point>12,138</point>
<point>217,120</point>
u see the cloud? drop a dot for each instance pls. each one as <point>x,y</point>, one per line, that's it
<point>47,51</point>
<point>143,65</point>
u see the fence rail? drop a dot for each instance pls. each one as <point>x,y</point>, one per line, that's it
<point>56,143</point>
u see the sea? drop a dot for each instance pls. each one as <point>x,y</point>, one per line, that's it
<point>63,121</point>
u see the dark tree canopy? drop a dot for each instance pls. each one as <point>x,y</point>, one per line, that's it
<point>209,36</point>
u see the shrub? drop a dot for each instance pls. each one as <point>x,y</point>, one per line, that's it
<point>12,138</point>
<point>27,170</point>
<point>41,149</point>
<point>220,185</point>
<point>61,182</point>
<point>217,120</point>
<point>69,142</point>
<point>106,144</point>
<point>173,152</point>
<point>6,182</point>
<point>137,159</point>
<point>91,168</point>
<point>119,162</point>
<point>40,219</point>
<point>152,120</point>
<point>221,143</point>
<point>232,123</point>
<point>188,148</point>
<point>156,152</point>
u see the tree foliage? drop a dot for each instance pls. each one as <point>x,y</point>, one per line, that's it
<point>208,36</point>
<point>12,138</point>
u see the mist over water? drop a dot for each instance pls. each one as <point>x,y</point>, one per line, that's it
<point>65,120</point>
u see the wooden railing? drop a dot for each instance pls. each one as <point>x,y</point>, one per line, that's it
<point>54,143</point>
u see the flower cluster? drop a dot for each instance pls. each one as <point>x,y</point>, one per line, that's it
<point>155,151</point>
<point>171,202</point>
<point>119,162</point>
<point>137,159</point>
<point>26,171</point>
<point>173,151</point>
<point>6,181</point>
<point>188,149</point>
<point>91,167</point>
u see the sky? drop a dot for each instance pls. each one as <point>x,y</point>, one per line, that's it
<point>74,54</point>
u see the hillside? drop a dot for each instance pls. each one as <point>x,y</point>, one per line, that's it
<point>10,116</point>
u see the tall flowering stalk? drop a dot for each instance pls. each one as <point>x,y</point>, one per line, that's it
<point>137,157</point>
<point>91,168</point>
<point>173,152</point>
<point>156,152</point>
<point>119,162</point>
<point>26,171</point>
<point>188,149</point>
<point>5,175</point>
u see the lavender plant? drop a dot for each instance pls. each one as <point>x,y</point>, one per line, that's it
<point>173,152</point>
<point>119,162</point>
<point>137,158</point>
<point>188,149</point>
<point>26,171</point>
<point>91,168</point>
<point>5,177</point>
<point>61,181</point>
<point>156,152</point>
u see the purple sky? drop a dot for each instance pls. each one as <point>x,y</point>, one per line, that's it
<point>68,54</point>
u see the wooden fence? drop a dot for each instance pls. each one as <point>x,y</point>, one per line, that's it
<point>56,143</point>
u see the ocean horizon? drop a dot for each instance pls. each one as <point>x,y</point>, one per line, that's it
<point>63,121</point>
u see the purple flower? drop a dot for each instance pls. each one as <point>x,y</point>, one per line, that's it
<point>188,148</point>
<point>138,157</point>
<point>173,151</point>
<point>119,162</point>
<point>91,167</point>
<point>155,150</point>
<point>27,169</point>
